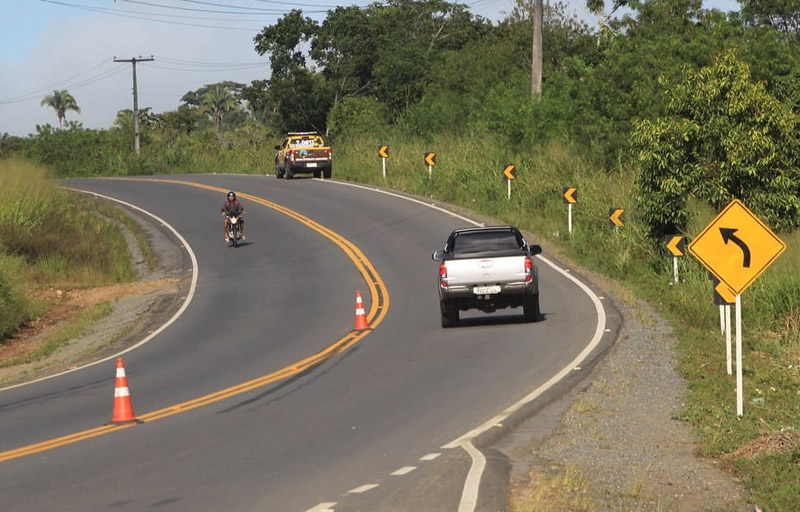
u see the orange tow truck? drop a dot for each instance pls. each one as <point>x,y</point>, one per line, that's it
<point>303,152</point>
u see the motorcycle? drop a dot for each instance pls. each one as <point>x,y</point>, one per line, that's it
<point>234,229</point>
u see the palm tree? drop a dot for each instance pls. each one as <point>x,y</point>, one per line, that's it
<point>61,101</point>
<point>217,102</point>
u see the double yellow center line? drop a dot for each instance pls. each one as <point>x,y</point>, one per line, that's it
<point>379,307</point>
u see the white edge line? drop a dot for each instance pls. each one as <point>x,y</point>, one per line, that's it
<point>158,331</point>
<point>471,485</point>
<point>598,335</point>
<point>469,496</point>
<point>423,203</point>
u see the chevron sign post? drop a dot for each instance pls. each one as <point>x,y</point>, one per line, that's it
<point>676,248</point>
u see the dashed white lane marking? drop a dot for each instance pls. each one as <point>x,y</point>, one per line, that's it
<point>323,507</point>
<point>362,489</point>
<point>404,471</point>
<point>430,457</point>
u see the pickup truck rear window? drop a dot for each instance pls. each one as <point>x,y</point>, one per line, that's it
<point>482,242</point>
<point>306,142</point>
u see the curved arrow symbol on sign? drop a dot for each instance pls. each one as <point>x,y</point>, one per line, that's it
<point>728,234</point>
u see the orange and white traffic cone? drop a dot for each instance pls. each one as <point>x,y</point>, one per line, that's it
<point>361,316</point>
<point>123,408</point>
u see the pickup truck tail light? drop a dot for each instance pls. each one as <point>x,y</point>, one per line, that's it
<point>442,275</point>
<point>330,154</point>
<point>291,155</point>
<point>528,270</point>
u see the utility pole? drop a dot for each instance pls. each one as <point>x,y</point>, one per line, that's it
<point>133,62</point>
<point>536,64</point>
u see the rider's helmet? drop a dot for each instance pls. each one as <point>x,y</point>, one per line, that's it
<point>231,196</point>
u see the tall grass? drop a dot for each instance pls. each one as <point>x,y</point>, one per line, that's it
<point>51,237</point>
<point>59,233</point>
<point>468,174</point>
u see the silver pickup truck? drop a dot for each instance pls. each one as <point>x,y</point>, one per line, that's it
<point>487,268</point>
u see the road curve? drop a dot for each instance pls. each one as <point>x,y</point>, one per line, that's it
<point>356,425</point>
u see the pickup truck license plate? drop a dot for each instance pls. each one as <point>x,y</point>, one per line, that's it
<point>486,290</point>
<point>311,164</point>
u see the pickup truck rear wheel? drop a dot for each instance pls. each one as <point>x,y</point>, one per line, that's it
<point>449,314</point>
<point>326,173</point>
<point>278,172</point>
<point>530,308</point>
<point>288,174</point>
<point>316,173</point>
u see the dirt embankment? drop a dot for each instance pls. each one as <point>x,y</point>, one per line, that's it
<point>137,308</point>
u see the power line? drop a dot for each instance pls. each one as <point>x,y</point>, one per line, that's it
<point>183,62</point>
<point>260,12</point>
<point>293,4</point>
<point>145,17</point>
<point>22,97</point>
<point>65,85</point>
<point>203,70</point>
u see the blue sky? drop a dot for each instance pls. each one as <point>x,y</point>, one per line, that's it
<point>71,44</point>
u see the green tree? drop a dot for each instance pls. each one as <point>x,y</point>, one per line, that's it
<point>345,47</point>
<point>724,137</point>
<point>195,98</point>
<point>61,101</point>
<point>293,91</point>
<point>784,15</point>
<point>217,102</point>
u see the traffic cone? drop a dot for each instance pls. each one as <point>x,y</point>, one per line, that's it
<point>361,317</point>
<point>123,408</point>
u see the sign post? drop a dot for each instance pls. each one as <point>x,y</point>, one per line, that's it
<point>676,247</point>
<point>430,159</point>
<point>510,174</point>
<point>383,152</point>
<point>570,195</point>
<point>724,297</point>
<point>737,247</point>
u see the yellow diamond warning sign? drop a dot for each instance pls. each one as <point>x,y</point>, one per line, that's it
<point>736,246</point>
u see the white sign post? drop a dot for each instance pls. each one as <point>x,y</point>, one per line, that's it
<point>739,399</point>
<point>569,217</point>
<point>383,164</point>
<point>727,330</point>
<point>675,269</point>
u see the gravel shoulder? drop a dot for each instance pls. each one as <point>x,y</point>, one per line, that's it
<point>138,308</point>
<point>613,442</point>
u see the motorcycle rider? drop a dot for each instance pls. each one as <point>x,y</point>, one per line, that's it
<point>232,207</point>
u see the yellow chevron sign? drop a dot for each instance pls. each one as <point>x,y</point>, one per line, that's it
<point>616,216</point>
<point>383,151</point>
<point>676,245</point>
<point>510,172</point>
<point>570,195</point>
<point>430,159</point>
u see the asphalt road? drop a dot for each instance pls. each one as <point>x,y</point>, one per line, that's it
<point>347,431</point>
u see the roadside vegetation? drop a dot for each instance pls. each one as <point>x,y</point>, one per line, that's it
<point>668,111</point>
<point>51,238</point>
